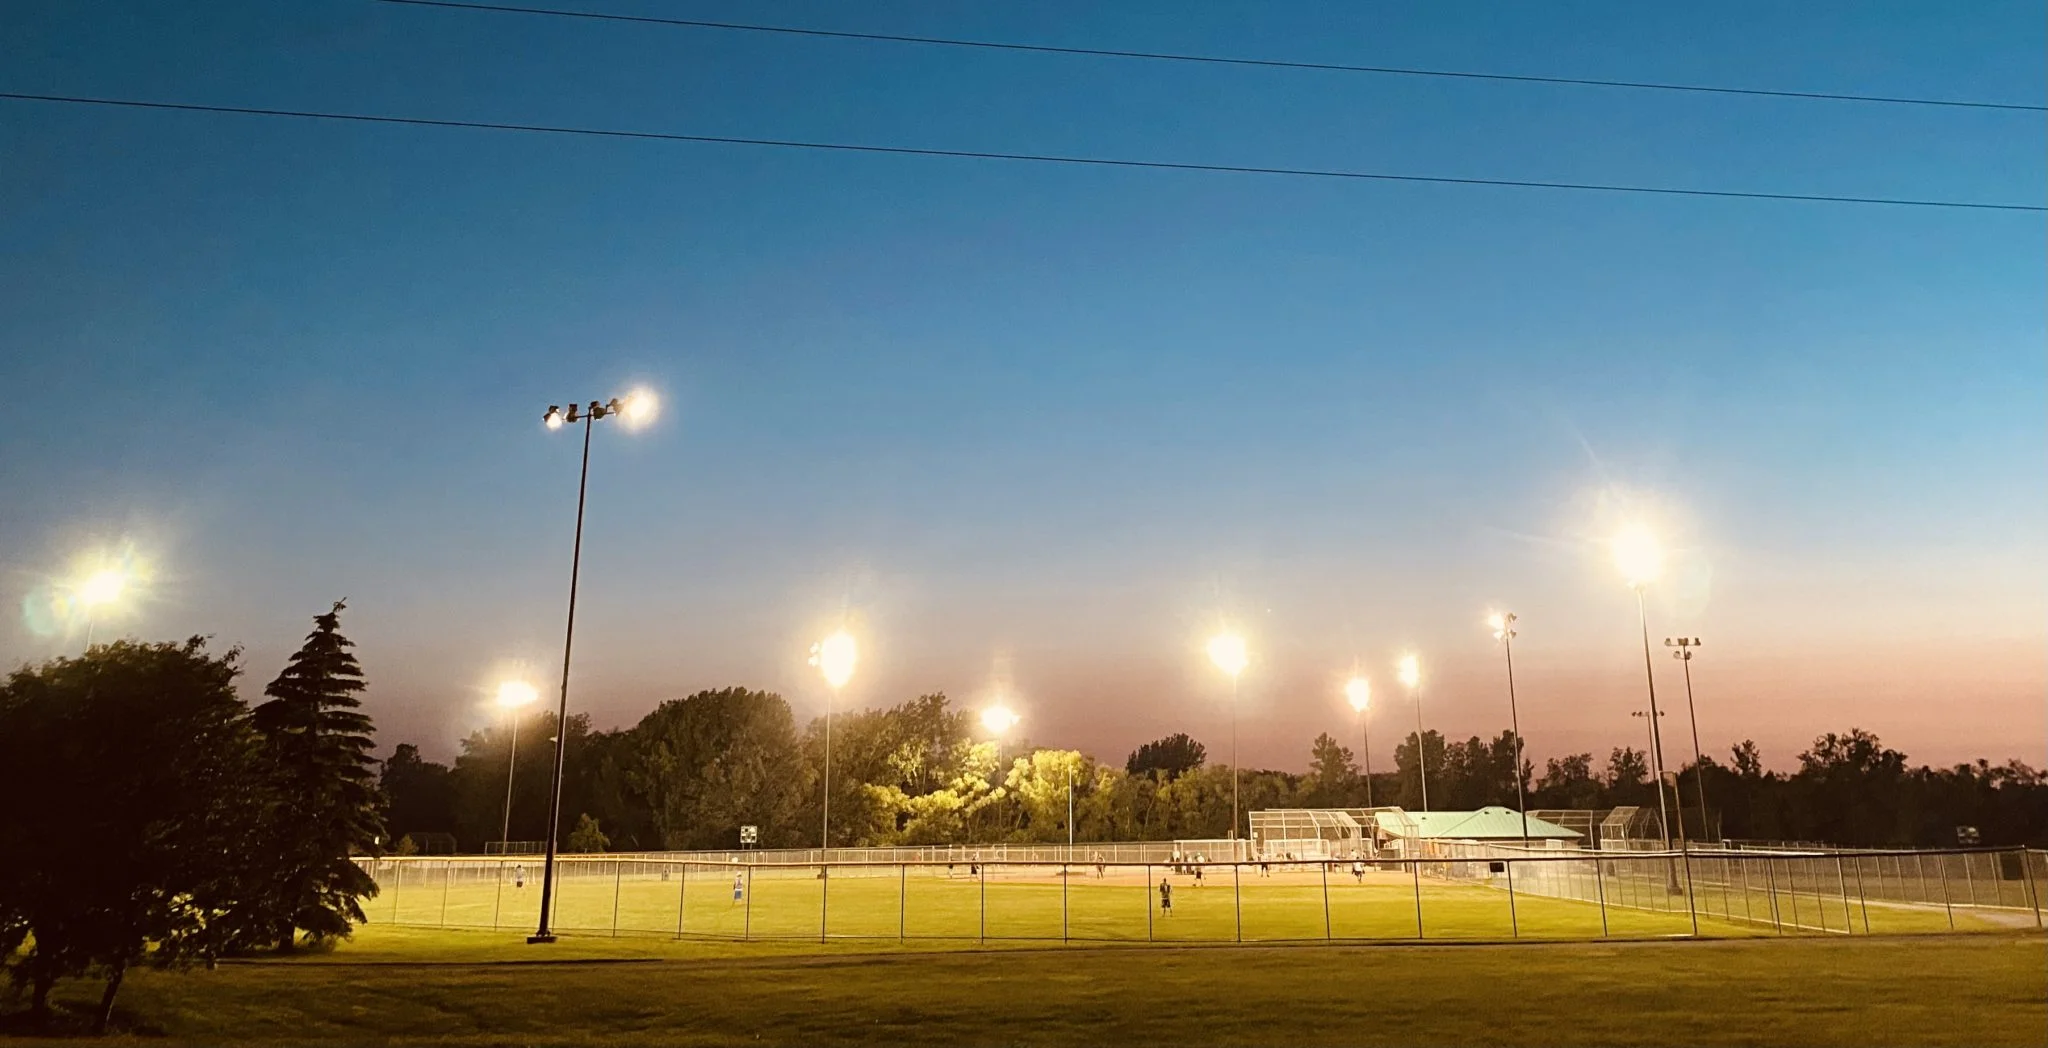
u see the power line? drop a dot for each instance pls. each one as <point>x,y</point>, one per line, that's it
<point>1036,158</point>
<point>1267,63</point>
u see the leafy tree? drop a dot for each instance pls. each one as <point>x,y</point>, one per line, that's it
<point>479,779</point>
<point>1331,774</point>
<point>144,859</point>
<point>588,838</point>
<point>419,795</point>
<point>1628,768</point>
<point>319,751</point>
<point>1171,757</point>
<point>1406,771</point>
<point>1567,782</point>
<point>716,760</point>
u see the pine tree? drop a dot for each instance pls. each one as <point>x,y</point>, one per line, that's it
<point>327,806</point>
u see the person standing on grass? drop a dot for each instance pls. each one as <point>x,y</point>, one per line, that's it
<point>1165,898</point>
<point>1358,871</point>
<point>739,887</point>
<point>1198,871</point>
<point>519,875</point>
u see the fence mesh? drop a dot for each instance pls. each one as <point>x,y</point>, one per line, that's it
<point>1460,890</point>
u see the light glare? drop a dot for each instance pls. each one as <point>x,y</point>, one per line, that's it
<point>640,407</point>
<point>999,720</point>
<point>1359,691</point>
<point>1638,555</point>
<point>1410,671</point>
<point>101,587</point>
<point>513,694</point>
<point>835,657</point>
<point>1227,651</point>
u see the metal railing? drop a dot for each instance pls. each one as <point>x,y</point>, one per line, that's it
<point>1461,891</point>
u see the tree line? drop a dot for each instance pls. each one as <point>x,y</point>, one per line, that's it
<point>696,769</point>
<point>154,817</point>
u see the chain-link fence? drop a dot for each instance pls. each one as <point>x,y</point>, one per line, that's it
<point>1463,890</point>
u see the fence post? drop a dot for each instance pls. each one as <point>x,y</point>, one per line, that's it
<point>824,894</point>
<point>1771,890</point>
<point>1514,922</point>
<point>902,899</point>
<point>498,899</point>
<point>1237,895</point>
<point>1969,879</point>
<point>618,881</point>
<point>447,874</point>
<point>981,870</point>
<point>1600,886</point>
<point>395,878</point>
<point>1066,874</point>
<point>1945,904</point>
<point>1148,902</point>
<point>2027,878</point>
<point>682,896</point>
<point>1415,868</point>
<point>1862,900</point>
<point>1842,885</point>
<point>747,918</point>
<point>1325,867</point>
<point>1691,910</point>
<point>1742,867</point>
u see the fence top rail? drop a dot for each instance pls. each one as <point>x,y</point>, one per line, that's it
<point>1478,855</point>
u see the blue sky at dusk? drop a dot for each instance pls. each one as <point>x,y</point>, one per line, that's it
<point>1050,425</point>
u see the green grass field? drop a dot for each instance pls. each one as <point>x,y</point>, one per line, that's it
<point>890,903</point>
<point>414,986</point>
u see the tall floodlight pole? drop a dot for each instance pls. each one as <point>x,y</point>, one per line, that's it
<point>1685,648</point>
<point>636,409</point>
<point>835,658</point>
<point>1410,671</point>
<point>999,719</point>
<point>1227,651</point>
<point>513,695</point>
<point>1641,560</point>
<point>1358,691</point>
<point>1503,624</point>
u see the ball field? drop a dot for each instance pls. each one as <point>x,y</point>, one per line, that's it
<point>994,903</point>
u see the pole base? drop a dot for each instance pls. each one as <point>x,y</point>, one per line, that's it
<point>543,937</point>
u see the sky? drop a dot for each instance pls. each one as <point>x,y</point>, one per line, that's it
<point>1038,431</point>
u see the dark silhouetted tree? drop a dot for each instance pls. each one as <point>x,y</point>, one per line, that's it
<point>1170,757</point>
<point>1332,777</point>
<point>132,776</point>
<point>419,795</point>
<point>327,811</point>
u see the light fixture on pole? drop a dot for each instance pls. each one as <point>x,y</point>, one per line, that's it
<point>1358,691</point>
<point>835,657</point>
<point>635,409</point>
<point>513,695</point>
<point>1684,648</point>
<point>1503,624</point>
<point>998,720</point>
<point>1227,651</point>
<point>1641,559</point>
<point>1409,669</point>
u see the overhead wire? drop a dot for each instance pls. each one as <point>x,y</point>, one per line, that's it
<point>1037,158</point>
<point>1267,63</point>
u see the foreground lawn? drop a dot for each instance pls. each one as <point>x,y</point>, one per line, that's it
<point>478,988</point>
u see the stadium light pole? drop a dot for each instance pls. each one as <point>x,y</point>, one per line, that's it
<point>1358,691</point>
<point>1410,671</point>
<point>1685,647</point>
<point>999,719</point>
<point>636,409</point>
<point>513,695</point>
<point>1641,559</point>
<point>1503,624</point>
<point>835,657</point>
<point>1227,651</point>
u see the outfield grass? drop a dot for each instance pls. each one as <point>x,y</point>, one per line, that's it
<point>888,902</point>
<point>410,986</point>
